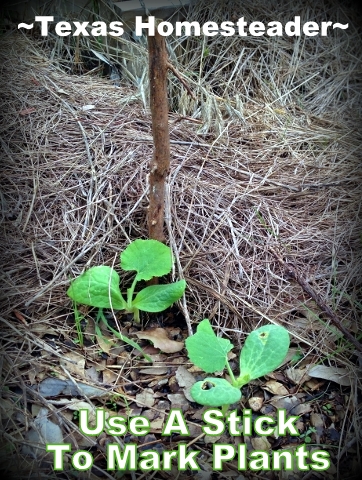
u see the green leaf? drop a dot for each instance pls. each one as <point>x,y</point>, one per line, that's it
<point>264,350</point>
<point>159,297</point>
<point>97,287</point>
<point>149,258</point>
<point>215,392</point>
<point>206,350</point>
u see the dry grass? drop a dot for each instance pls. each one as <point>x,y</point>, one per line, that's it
<point>268,156</point>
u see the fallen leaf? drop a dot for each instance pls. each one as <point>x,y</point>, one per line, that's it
<point>109,377</point>
<point>255,403</point>
<point>260,443</point>
<point>156,426</point>
<point>333,374</point>
<point>286,403</point>
<point>52,387</point>
<point>202,475</point>
<point>316,421</point>
<point>159,338</point>
<point>145,398</point>
<point>178,400</point>
<point>44,432</point>
<point>301,409</point>
<point>75,404</point>
<point>74,363</point>
<point>313,384</point>
<point>173,384</point>
<point>92,374</point>
<point>105,343</point>
<point>276,387</point>
<point>297,375</point>
<point>185,379</point>
<point>42,329</point>
<point>155,370</point>
<point>211,438</point>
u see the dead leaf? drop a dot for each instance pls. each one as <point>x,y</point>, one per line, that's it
<point>202,475</point>
<point>313,384</point>
<point>145,398</point>
<point>260,443</point>
<point>105,343</point>
<point>211,439</point>
<point>179,401</point>
<point>276,387</point>
<point>43,432</point>
<point>92,373</point>
<point>156,426</point>
<point>316,420</point>
<point>159,338</point>
<point>286,403</point>
<point>301,409</point>
<point>185,379</point>
<point>109,377</point>
<point>297,375</point>
<point>255,403</point>
<point>42,329</point>
<point>73,363</point>
<point>333,374</point>
<point>155,370</point>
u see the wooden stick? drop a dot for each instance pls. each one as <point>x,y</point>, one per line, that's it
<point>292,272</point>
<point>160,164</point>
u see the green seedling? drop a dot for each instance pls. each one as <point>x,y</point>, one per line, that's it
<point>99,286</point>
<point>307,435</point>
<point>264,350</point>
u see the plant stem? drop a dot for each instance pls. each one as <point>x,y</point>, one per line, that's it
<point>224,409</point>
<point>78,318</point>
<point>100,316</point>
<point>130,294</point>
<point>136,315</point>
<point>233,381</point>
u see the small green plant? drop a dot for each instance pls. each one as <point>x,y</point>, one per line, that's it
<point>327,408</point>
<point>307,434</point>
<point>99,286</point>
<point>263,351</point>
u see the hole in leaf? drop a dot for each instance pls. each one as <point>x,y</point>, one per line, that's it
<point>207,386</point>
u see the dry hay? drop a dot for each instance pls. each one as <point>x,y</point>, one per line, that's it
<point>268,157</point>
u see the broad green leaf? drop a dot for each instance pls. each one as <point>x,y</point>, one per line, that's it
<point>206,350</point>
<point>215,392</point>
<point>98,287</point>
<point>149,258</point>
<point>159,297</point>
<point>264,350</point>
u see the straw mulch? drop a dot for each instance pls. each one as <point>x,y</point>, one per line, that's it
<point>265,161</point>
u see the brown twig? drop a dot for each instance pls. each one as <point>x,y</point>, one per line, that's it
<point>178,75</point>
<point>292,272</point>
